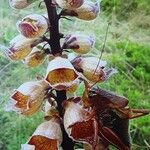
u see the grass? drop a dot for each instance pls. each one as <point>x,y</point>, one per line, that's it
<point>127,49</point>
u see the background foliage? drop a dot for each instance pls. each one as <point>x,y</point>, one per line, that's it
<point>127,49</point>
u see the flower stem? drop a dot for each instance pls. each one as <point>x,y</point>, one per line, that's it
<point>56,49</point>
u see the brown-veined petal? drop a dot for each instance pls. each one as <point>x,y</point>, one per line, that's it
<point>20,4</point>
<point>19,47</point>
<point>47,136</point>
<point>88,11</point>
<point>35,58</point>
<point>93,69</point>
<point>81,44</point>
<point>60,73</point>
<point>69,4</point>
<point>33,26</point>
<point>28,98</point>
<point>80,123</point>
<point>72,89</point>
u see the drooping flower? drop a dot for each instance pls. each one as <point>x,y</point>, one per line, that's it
<point>35,58</point>
<point>60,73</point>
<point>20,4</point>
<point>81,44</point>
<point>33,26</point>
<point>27,99</point>
<point>93,69</point>
<point>69,4</point>
<point>80,123</point>
<point>47,136</point>
<point>88,11</point>
<point>19,47</point>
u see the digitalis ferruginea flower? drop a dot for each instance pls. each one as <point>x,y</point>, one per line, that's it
<point>81,44</point>
<point>80,123</point>
<point>20,4</point>
<point>69,4</point>
<point>35,58</point>
<point>93,69</point>
<point>47,136</point>
<point>19,48</point>
<point>33,26</point>
<point>88,11</point>
<point>28,98</point>
<point>60,73</point>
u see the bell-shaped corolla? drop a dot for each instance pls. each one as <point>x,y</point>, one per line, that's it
<point>20,4</point>
<point>61,73</point>
<point>33,26</point>
<point>80,123</point>
<point>88,11</point>
<point>81,44</point>
<point>35,58</point>
<point>28,98</point>
<point>69,4</point>
<point>93,69</point>
<point>19,47</point>
<point>47,136</point>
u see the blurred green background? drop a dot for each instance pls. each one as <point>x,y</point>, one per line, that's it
<point>127,49</point>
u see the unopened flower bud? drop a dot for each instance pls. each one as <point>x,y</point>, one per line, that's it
<point>81,44</point>
<point>50,111</point>
<point>33,26</point>
<point>28,98</point>
<point>88,11</point>
<point>69,4</point>
<point>19,47</point>
<point>93,69</point>
<point>47,136</point>
<point>80,123</point>
<point>20,4</point>
<point>35,58</point>
<point>60,73</point>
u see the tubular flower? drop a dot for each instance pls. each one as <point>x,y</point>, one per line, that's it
<point>61,74</point>
<point>47,136</point>
<point>69,4</point>
<point>80,123</point>
<point>28,98</point>
<point>88,11</point>
<point>81,44</point>
<point>19,48</point>
<point>35,58</point>
<point>20,4</point>
<point>93,69</point>
<point>33,26</point>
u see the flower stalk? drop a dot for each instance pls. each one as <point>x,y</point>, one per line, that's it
<point>54,43</point>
